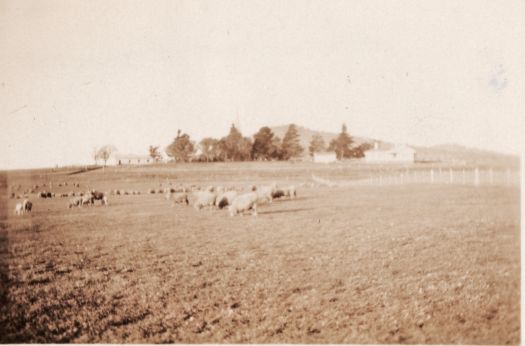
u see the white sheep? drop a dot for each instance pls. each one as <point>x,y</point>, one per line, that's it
<point>204,199</point>
<point>19,208</point>
<point>290,191</point>
<point>180,197</point>
<point>244,202</point>
<point>74,202</point>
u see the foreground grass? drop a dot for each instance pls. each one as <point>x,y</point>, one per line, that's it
<point>398,264</point>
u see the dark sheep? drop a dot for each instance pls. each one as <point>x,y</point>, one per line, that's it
<point>223,203</point>
<point>278,193</point>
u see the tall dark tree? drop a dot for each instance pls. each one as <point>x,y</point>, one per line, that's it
<point>263,144</point>
<point>219,150</point>
<point>245,149</point>
<point>317,144</point>
<point>291,145</point>
<point>154,153</point>
<point>237,147</point>
<point>182,148</point>
<point>342,145</point>
<point>276,151</point>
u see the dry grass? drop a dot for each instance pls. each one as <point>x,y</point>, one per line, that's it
<point>397,264</point>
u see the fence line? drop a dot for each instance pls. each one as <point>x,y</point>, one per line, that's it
<point>474,177</point>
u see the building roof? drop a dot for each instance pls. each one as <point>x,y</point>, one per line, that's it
<point>121,156</point>
<point>398,148</point>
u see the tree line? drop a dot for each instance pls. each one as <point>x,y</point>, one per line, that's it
<point>264,146</point>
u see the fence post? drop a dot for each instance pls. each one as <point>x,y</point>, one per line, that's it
<point>476,176</point>
<point>432,176</point>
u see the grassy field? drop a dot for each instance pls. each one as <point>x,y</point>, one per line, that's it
<point>369,264</point>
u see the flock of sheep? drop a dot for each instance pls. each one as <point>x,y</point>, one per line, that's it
<point>238,203</point>
<point>236,200</point>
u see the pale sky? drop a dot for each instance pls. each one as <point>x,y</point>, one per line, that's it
<point>79,74</point>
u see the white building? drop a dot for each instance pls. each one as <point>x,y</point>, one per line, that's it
<point>119,159</point>
<point>397,154</point>
<point>326,157</point>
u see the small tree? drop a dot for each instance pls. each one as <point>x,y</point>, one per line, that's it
<point>181,149</point>
<point>94,155</point>
<point>105,153</point>
<point>342,145</point>
<point>317,144</point>
<point>291,145</point>
<point>359,151</point>
<point>154,153</point>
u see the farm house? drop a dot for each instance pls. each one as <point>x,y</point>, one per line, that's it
<point>397,154</point>
<point>131,159</point>
<point>326,157</point>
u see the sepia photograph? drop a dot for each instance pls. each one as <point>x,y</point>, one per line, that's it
<point>261,172</point>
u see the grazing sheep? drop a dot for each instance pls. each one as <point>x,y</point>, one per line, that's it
<point>204,199</point>
<point>105,201</point>
<point>75,202</point>
<point>225,199</point>
<point>97,196</point>
<point>180,197</point>
<point>290,191</point>
<point>152,191</point>
<point>265,193</point>
<point>27,206</point>
<point>244,202</point>
<point>19,208</point>
<point>87,199</point>
<point>278,193</point>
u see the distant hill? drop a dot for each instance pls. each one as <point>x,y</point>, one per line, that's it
<point>307,134</point>
<point>450,153</point>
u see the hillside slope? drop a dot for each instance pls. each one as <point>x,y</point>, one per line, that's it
<point>439,153</point>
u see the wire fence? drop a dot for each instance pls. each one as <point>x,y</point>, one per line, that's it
<point>475,177</point>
